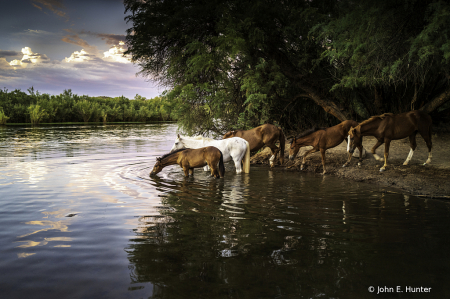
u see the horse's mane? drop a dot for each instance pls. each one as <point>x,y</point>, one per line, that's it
<point>308,132</point>
<point>172,153</point>
<point>372,118</point>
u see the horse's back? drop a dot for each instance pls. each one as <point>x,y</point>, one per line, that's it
<point>402,125</point>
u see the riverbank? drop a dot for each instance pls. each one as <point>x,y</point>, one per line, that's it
<point>415,179</point>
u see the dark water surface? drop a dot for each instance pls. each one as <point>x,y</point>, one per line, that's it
<point>80,218</point>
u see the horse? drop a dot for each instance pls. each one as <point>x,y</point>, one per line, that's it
<point>263,135</point>
<point>389,126</point>
<point>323,139</point>
<point>236,149</point>
<point>189,159</point>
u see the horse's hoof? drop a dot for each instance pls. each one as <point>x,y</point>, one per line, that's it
<point>406,163</point>
<point>345,165</point>
<point>359,163</point>
<point>425,164</point>
<point>382,169</point>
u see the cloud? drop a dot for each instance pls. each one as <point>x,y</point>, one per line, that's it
<point>8,53</point>
<point>115,53</point>
<point>29,58</point>
<point>79,56</point>
<point>53,5</point>
<point>111,39</point>
<point>76,40</point>
<point>83,71</point>
<point>32,32</point>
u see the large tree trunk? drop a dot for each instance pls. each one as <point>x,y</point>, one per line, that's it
<point>328,105</point>
<point>437,101</point>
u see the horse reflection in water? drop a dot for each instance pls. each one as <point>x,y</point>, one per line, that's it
<point>389,126</point>
<point>189,159</point>
<point>323,139</point>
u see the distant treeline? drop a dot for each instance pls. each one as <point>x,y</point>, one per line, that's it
<point>19,107</point>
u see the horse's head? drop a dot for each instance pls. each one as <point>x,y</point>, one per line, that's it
<point>354,139</point>
<point>157,168</point>
<point>178,144</point>
<point>229,134</point>
<point>294,148</point>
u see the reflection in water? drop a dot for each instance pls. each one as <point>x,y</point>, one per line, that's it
<point>229,238</point>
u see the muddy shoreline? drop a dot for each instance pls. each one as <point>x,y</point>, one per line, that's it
<point>431,181</point>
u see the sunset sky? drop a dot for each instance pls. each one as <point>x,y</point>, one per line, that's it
<point>54,45</point>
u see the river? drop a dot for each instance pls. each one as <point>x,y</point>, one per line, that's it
<point>81,218</point>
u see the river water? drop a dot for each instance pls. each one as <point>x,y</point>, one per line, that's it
<point>81,218</point>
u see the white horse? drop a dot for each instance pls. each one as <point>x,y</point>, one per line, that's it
<point>236,149</point>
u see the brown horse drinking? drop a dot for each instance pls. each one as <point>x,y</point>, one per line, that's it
<point>263,135</point>
<point>388,126</point>
<point>323,139</point>
<point>189,159</point>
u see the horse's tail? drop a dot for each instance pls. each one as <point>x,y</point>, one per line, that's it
<point>246,160</point>
<point>221,166</point>
<point>282,144</point>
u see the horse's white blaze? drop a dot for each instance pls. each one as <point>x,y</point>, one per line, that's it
<point>411,153</point>
<point>232,148</point>
<point>348,143</point>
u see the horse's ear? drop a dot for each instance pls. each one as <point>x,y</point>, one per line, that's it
<point>158,159</point>
<point>178,136</point>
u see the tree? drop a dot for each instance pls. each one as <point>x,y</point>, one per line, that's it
<point>3,117</point>
<point>85,108</point>
<point>236,63</point>
<point>37,114</point>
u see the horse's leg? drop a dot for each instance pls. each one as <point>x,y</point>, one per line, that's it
<point>348,160</point>
<point>191,171</point>
<point>275,151</point>
<point>186,171</point>
<point>413,145</point>
<point>387,143</point>
<point>237,158</point>
<point>214,170</point>
<point>361,153</point>
<point>426,135</point>
<point>237,164</point>
<point>378,158</point>
<point>313,150</point>
<point>322,152</point>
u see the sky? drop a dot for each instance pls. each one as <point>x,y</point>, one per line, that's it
<point>53,45</point>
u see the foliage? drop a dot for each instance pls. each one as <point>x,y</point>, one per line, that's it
<point>36,114</point>
<point>239,63</point>
<point>3,117</point>
<point>68,107</point>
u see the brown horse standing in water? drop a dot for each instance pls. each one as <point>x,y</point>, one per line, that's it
<point>389,126</point>
<point>189,159</point>
<point>323,139</point>
<point>263,135</point>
